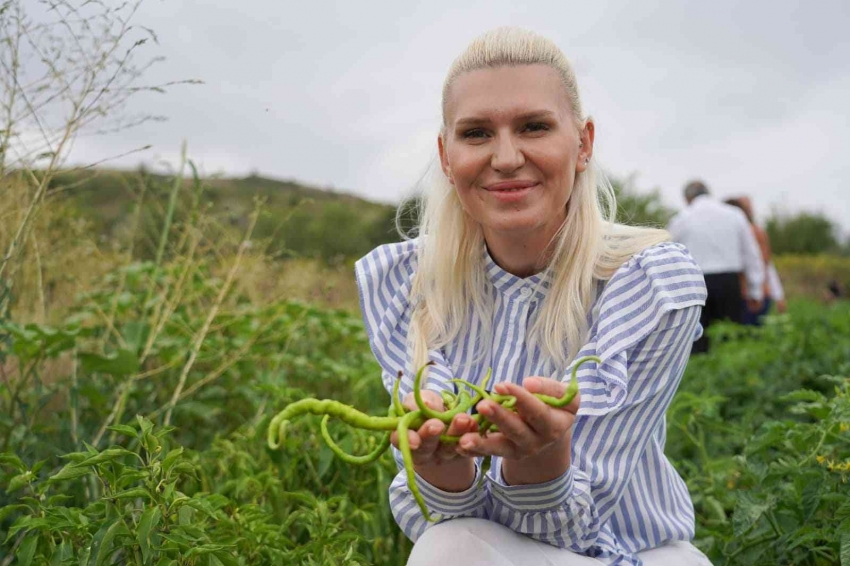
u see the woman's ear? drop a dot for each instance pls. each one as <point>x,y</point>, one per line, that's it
<point>585,152</point>
<point>444,160</point>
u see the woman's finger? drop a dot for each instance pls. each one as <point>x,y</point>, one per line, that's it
<point>510,424</point>
<point>431,399</point>
<point>412,438</point>
<point>495,444</point>
<point>532,412</point>
<point>430,433</point>
<point>460,425</point>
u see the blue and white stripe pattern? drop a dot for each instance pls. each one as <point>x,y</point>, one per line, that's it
<point>621,494</point>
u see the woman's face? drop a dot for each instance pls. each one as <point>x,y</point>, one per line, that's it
<point>512,150</point>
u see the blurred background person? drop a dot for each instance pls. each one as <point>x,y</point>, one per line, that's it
<point>772,288</point>
<point>721,241</point>
<point>834,292</point>
<point>777,292</point>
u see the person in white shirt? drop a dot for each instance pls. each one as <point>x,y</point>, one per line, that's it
<point>719,238</point>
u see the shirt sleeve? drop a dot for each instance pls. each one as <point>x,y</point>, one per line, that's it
<point>648,318</point>
<point>754,267</point>
<point>674,227</point>
<point>384,281</point>
<point>777,293</point>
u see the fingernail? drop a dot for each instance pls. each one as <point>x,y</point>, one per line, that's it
<point>435,429</point>
<point>466,444</point>
<point>485,410</point>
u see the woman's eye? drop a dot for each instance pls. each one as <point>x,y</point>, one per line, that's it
<point>536,127</point>
<point>476,133</point>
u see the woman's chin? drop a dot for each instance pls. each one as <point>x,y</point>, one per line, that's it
<point>513,225</point>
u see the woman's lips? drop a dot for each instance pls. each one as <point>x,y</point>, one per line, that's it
<point>510,185</point>
<point>510,191</point>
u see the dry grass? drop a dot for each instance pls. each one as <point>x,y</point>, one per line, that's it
<point>262,279</point>
<point>58,259</point>
<point>809,276</point>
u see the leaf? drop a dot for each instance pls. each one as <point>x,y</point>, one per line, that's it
<point>748,511</point>
<point>226,558</point>
<point>19,481</point>
<point>810,498</point>
<point>107,455</point>
<point>26,551</point>
<point>77,456</point>
<point>62,554</point>
<point>126,430</point>
<point>803,395</point>
<point>9,509</point>
<point>69,472</point>
<point>9,459</point>
<point>170,458</point>
<point>132,492</point>
<point>326,458</point>
<point>149,520</point>
<point>119,363</point>
<point>206,549</point>
<point>101,546</point>
<point>144,424</point>
<point>59,499</point>
<point>135,333</point>
<point>38,466</point>
<point>845,549</point>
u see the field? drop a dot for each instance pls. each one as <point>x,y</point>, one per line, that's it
<point>136,391</point>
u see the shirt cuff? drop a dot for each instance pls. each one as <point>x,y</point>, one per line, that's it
<point>757,294</point>
<point>533,497</point>
<point>452,504</point>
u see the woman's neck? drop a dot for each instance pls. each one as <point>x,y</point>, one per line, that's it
<point>521,255</point>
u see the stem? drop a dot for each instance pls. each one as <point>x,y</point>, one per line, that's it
<point>163,238</point>
<point>199,339</point>
<point>74,400</point>
<point>39,270</point>
<point>755,542</point>
<point>772,520</point>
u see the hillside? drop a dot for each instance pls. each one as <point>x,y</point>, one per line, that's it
<point>297,220</point>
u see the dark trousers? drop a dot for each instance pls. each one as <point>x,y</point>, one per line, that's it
<point>723,303</point>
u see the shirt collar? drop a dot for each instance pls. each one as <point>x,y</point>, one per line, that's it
<point>534,287</point>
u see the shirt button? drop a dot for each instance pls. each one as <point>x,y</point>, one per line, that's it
<point>525,292</point>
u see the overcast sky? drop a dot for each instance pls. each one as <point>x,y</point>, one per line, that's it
<point>752,97</point>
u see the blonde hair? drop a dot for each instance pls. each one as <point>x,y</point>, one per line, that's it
<point>451,284</point>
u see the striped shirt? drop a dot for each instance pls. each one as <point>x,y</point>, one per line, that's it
<point>621,494</point>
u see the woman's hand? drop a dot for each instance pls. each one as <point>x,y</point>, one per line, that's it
<point>535,441</point>
<point>439,464</point>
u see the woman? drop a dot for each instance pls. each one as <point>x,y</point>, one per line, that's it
<point>518,268</point>
<point>773,292</point>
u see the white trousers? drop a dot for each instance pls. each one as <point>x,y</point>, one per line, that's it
<point>478,542</point>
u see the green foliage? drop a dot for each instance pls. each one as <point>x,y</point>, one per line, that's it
<point>802,233</point>
<point>640,208</point>
<point>760,430</point>
<point>207,490</point>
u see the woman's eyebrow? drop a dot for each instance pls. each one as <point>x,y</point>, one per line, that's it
<point>533,115</point>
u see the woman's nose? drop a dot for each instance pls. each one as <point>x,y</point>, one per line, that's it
<point>507,155</point>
